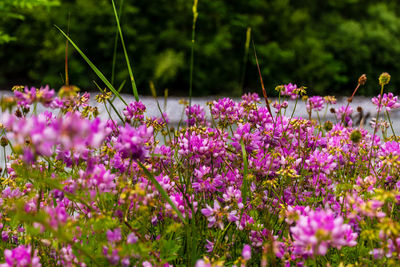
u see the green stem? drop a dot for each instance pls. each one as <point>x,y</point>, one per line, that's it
<point>391,126</point>
<point>375,129</point>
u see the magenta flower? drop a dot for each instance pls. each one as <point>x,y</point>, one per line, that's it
<point>132,142</point>
<point>315,232</point>
<point>43,95</point>
<point>21,257</point>
<point>196,115</point>
<point>134,110</point>
<point>251,98</point>
<point>389,102</point>
<point>246,252</point>
<point>114,236</point>
<point>315,103</point>
<point>290,90</point>
<point>214,215</point>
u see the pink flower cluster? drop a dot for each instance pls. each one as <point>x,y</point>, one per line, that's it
<point>317,231</point>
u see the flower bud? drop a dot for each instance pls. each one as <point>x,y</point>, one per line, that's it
<point>355,136</point>
<point>3,141</point>
<point>328,125</point>
<point>384,79</point>
<point>362,80</point>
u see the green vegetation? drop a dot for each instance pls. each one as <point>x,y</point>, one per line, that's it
<point>324,45</point>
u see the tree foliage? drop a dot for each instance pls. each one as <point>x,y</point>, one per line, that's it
<point>324,45</point>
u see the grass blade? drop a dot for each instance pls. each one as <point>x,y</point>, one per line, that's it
<point>125,53</point>
<point>162,191</point>
<point>114,61</point>
<point>94,68</point>
<point>245,173</point>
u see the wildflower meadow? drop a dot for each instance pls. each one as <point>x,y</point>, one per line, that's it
<point>250,184</point>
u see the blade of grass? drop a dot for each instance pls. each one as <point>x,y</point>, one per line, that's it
<point>262,83</point>
<point>245,173</point>
<point>195,15</point>
<point>125,53</point>
<point>161,191</point>
<point>245,58</point>
<point>94,68</point>
<point>116,45</point>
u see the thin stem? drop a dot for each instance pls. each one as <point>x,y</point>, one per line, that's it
<point>391,126</point>
<point>375,129</point>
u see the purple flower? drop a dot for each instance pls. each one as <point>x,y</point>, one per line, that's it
<point>251,98</point>
<point>43,95</point>
<point>389,102</point>
<point>246,252</point>
<point>290,90</point>
<point>315,232</point>
<point>135,111</point>
<point>21,257</point>
<point>114,236</point>
<point>315,103</point>
<point>196,115</point>
<point>132,142</point>
<point>131,238</point>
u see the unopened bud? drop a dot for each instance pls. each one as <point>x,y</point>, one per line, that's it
<point>362,80</point>
<point>3,141</point>
<point>328,125</point>
<point>332,110</point>
<point>359,109</point>
<point>384,78</point>
<point>355,136</point>
<point>18,113</point>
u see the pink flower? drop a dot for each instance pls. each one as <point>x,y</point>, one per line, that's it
<point>131,142</point>
<point>134,110</point>
<point>315,232</point>
<point>21,257</point>
<point>315,103</point>
<point>114,236</point>
<point>246,252</point>
<point>388,102</point>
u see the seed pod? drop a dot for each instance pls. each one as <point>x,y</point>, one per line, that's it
<point>362,80</point>
<point>3,141</point>
<point>328,125</point>
<point>355,136</point>
<point>18,113</point>
<point>384,79</point>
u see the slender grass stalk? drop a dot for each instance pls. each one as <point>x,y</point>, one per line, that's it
<point>245,58</point>
<point>262,83</point>
<point>116,44</point>
<point>245,173</point>
<point>128,64</point>
<point>92,66</point>
<point>390,123</point>
<point>66,54</point>
<point>361,81</point>
<point>195,15</point>
<point>375,129</point>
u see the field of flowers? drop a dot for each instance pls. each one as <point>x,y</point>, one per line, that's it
<point>253,186</point>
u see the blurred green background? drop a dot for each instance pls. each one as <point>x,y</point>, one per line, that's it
<point>324,45</point>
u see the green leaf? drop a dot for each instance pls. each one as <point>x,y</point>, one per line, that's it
<point>128,64</point>
<point>94,68</point>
